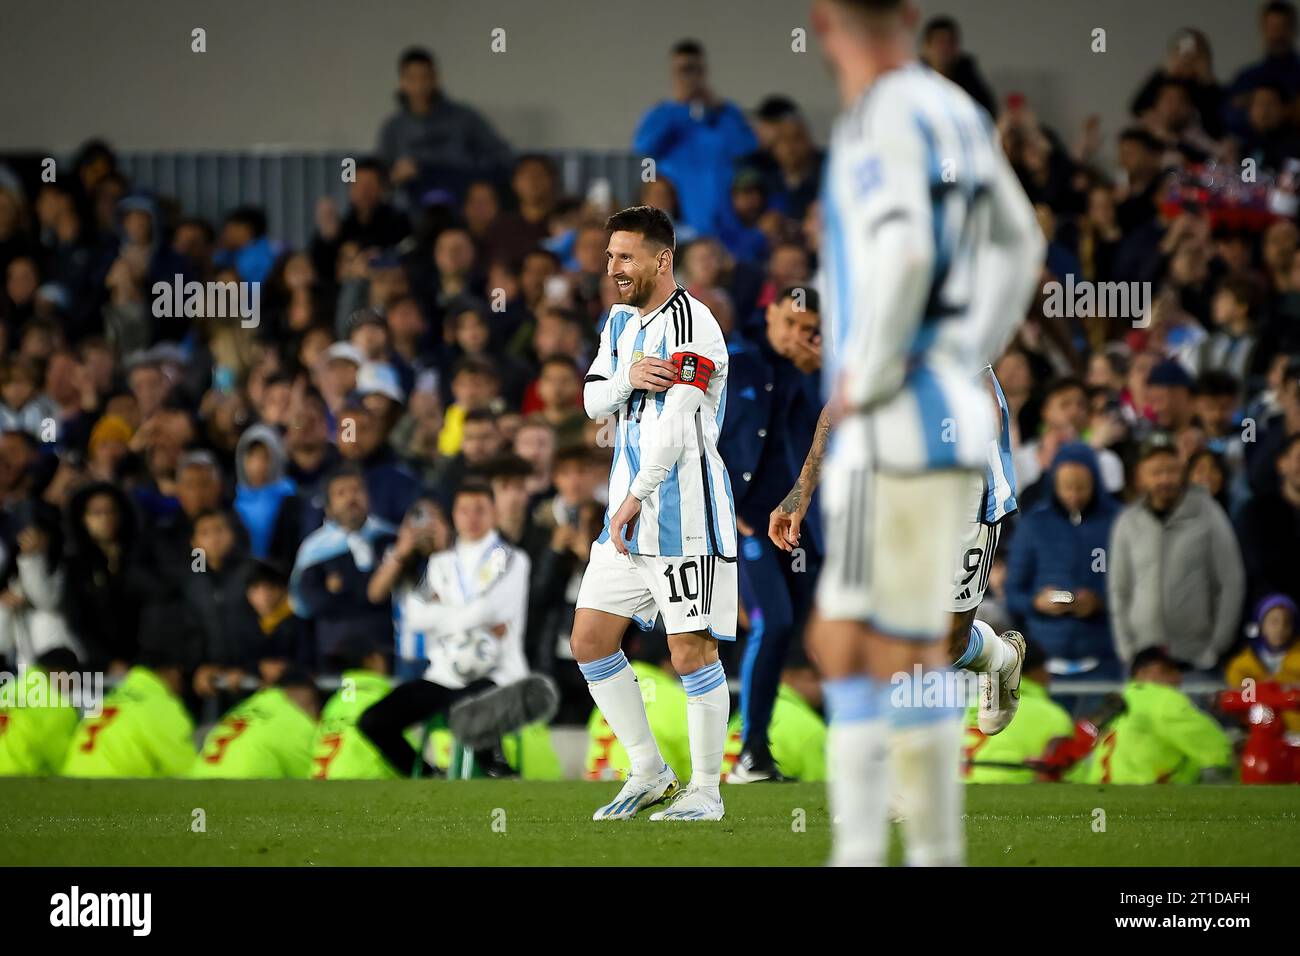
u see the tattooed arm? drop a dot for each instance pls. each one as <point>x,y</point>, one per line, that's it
<point>783,524</point>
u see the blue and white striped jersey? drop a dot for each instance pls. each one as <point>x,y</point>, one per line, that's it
<point>930,251</point>
<point>666,443</point>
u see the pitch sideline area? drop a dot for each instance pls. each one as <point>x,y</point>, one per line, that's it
<point>302,823</point>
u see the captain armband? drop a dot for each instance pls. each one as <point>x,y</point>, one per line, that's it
<point>693,369</point>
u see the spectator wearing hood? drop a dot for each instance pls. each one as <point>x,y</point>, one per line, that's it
<point>1273,654</point>
<point>262,485</point>
<point>102,594</point>
<point>1174,571</point>
<point>1056,577</point>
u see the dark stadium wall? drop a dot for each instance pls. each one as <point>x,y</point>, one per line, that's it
<point>320,73</point>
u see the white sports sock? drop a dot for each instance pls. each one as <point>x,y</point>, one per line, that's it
<point>987,651</point>
<point>708,707</point>
<point>617,693</point>
<point>925,757</point>
<point>857,756</point>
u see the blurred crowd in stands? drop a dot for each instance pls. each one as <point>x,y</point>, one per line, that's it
<point>160,475</point>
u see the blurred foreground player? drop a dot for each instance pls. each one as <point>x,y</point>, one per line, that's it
<point>926,269</point>
<point>267,736</point>
<point>34,737</point>
<point>669,541</point>
<point>1162,737</point>
<point>143,730</point>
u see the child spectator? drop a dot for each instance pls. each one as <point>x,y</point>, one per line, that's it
<point>262,486</point>
<point>1273,653</point>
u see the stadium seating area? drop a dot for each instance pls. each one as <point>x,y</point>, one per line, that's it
<point>162,464</point>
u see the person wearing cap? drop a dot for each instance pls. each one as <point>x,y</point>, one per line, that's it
<point>362,438</point>
<point>381,392</point>
<point>1273,654</point>
<point>1173,569</point>
<point>1161,737</point>
<point>1054,583</point>
<point>1169,394</point>
<point>337,376</point>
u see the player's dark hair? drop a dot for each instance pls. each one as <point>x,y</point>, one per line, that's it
<point>812,302</point>
<point>415,54</point>
<point>688,48</point>
<point>651,224</point>
<point>58,660</point>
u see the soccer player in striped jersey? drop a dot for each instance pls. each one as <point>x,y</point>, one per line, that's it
<point>669,540</point>
<point>931,251</point>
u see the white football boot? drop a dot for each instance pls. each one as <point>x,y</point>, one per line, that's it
<point>1000,692</point>
<point>693,803</point>
<point>638,793</point>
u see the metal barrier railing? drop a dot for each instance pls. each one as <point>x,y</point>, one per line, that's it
<point>287,184</point>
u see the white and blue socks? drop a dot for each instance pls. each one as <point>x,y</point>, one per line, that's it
<point>925,744</point>
<point>985,650</point>
<point>617,693</point>
<point>857,751</point>
<point>708,707</point>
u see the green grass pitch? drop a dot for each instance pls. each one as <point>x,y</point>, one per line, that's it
<point>301,823</point>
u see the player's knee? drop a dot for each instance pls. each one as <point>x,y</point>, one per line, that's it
<point>688,658</point>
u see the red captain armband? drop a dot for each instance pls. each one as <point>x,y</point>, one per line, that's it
<point>693,369</point>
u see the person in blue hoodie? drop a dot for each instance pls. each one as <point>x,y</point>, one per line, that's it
<point>1056,573</point>
<point>262,487</point>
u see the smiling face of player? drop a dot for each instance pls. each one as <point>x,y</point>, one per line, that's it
<point>639,268</point>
